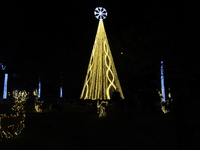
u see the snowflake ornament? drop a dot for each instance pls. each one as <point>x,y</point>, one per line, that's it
<point>100,13</point>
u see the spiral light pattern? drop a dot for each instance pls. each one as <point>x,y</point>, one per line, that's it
<point>101,79</point>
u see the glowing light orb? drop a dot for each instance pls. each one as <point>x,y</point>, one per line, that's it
<point>5,86</point>
<point>100,13</point>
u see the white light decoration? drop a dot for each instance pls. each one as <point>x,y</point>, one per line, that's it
<point>100,13</point>
<point>2,66</point>
<point>162,82</point>
<point>162,94</point>
<point>5,86</point>
<point>39,90</point>
<point>61,90</point>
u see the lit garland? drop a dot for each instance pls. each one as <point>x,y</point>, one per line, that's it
<point>101,79</point>
<point>12,125</point>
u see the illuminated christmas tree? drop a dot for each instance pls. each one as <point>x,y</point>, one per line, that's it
<point>101,79</point>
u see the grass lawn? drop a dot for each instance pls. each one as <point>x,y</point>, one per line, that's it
<point>79,127</point>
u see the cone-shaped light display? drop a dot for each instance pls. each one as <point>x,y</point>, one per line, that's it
<point>101,79</point>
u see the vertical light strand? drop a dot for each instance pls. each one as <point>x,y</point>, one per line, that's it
<point>61,90</point>
<point>5,86</point>
<point>39,91</point>
<point>162,82</point>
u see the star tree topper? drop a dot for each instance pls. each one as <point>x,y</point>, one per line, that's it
<point>100,13</point>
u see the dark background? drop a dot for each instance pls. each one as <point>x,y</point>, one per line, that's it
<point>44,38</point>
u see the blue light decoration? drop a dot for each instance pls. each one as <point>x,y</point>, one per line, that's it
<point>162,83</point>
<point>61,90</point>
<point>5,86</point>
<point>39,90</point>
<point>2,66</point>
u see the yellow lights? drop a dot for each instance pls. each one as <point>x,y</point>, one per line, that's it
<point>101,108</point>
<point>35,92</point>
<point>38,104</point>
<point>101,79</point>
<point>12,125</point>
<point>20,96</point>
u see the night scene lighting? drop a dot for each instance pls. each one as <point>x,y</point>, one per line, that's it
<point>13,124</point>
<point>162,82</point>
<point>5,86</point>
<point>39,89</point>
<point>101,79</point>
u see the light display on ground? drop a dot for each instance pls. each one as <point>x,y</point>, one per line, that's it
<point>101,79</point>
<point>38,104</point>
<point>101,108</point>
<point>12,125</point>
<point>5,86</point>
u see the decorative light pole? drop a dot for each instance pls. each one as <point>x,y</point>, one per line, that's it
<point>163,98</point>
<point>3,67</point>
<point>5,86</point>
<point>162,82</point>
<point>39,89</point>
<point>61,90</point>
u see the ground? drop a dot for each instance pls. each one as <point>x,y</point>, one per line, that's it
<point>79,127</point>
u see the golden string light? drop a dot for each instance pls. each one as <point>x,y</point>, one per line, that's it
<point>101,79</point>
<point>12,125</point>
<point>38,104</point>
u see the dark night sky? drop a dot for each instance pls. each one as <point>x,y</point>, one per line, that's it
<point>49,37</point>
